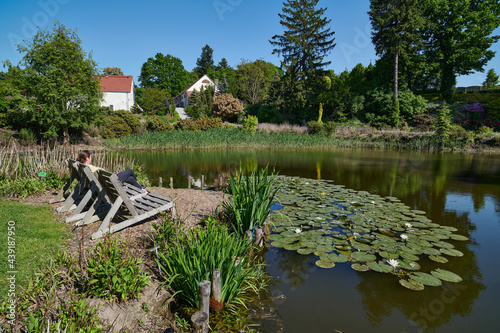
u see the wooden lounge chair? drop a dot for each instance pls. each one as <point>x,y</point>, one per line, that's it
<point>94,191</point>
<point>77,193</point>
<point>138,202</point>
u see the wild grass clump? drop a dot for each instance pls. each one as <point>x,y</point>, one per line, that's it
<point>252,196</point>
<point>267,128</point>
<point>197,253</point>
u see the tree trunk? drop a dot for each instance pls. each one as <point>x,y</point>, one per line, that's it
<point>396,60</point>
<point>66,135</point>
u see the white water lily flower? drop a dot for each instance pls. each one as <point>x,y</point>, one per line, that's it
<point>298,230</point>
<point>408,225</point>
<point>404,237</point>
<point>393,262</point>
<point>373,202</point>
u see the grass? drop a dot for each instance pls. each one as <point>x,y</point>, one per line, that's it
<point>38,236</point>
<point>234,138</point>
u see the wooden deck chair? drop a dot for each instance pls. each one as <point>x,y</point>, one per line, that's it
<point>138,202</point>
<point>72,177</point>
<point>79,190</point>
<point>95,191</point>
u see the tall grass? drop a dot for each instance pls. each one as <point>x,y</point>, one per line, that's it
<point>195,256</point>
<point>234,138</point>
<point>252,196</point>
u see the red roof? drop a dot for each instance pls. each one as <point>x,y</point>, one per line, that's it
<point>116,83</point>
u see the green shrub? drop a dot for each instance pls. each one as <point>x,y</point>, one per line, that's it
<point>315,127</point>
<point>269,114</point>
<point>410,105</point>
<point>485,130</point>
<point>251,200</point>
<point>458,133</point>
<point>154,124</point>
<point>113,273</point>
<point>26,137</point>
<point>202,124</point>
<point>423,122</point>
<point>195,256</point>
<point>442,126</point>
<point>21,187</point>
<point>329,127</point>
<point>250,124</point>
<point>131,119</point>
<point>115,127</point>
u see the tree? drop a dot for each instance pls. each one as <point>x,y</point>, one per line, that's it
<point>165,72</point>
<point>460,38</point>
<point>223,87</point>
<point>223,64</point>
<point>226,106</point>
<point>255,79</point>
<point>491,79</point>
<point>112,71</point>
<point>60,76</point>
<point>205,63</point>
<point>304,45</point>
<point>397,26</point>
<point>154,101</point>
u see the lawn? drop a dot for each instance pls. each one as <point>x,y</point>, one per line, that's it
<point>36,236</point>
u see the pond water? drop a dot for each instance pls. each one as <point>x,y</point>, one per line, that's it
<point>459,190</point>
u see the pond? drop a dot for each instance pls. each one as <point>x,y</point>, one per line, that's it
<point>458,190</point>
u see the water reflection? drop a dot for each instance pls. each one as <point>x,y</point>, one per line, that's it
<point>460,190</point>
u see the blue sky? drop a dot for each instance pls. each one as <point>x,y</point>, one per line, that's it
<point>126,33</point>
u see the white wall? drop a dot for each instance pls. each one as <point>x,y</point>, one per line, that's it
<point>119,100</point>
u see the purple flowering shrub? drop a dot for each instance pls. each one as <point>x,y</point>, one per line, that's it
<point>474,116</point>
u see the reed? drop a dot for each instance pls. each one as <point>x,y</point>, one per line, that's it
<point>252,195</point>
<point>195,256</point>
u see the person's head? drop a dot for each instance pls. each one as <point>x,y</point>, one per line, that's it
<point>84,157</point>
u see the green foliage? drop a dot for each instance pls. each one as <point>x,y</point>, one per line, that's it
<point>226,106</point>
<point>485,130</point>
<point>205,63</point>
<point>26,137</point>
<point>21,187</point>
<point>60,76</point>
<point>202,124</point>
<point>491,80</point>
<point>250,124</point>
<point>195,256</point>
<point>423,122</point>
<point>113,273</point>
<point>114,127</point>
<point>154,124</point>
<point>154,101</point>
<point>442,125</point>
<point>380,108</point>
<point>165,72</point>
<point>269,114</point>
<point>255,79</point>
<point>131,119</point>
<point>112,71</point>
<point>320,113</point>
<point>252,197</point>
<point>200,103</point>
<point>323,128</point>
<point>410,105</point>
<point>304,44</point>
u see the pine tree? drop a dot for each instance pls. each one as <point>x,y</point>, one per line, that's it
<point>491,79</point>
<point>223,64</point>
<point>223,85</point>
<point>305,43</point>
<point>205,63</point>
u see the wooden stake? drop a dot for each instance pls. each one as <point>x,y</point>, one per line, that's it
<point>202,182</point>
<point>259,237</point>
<point>200,322</point>
<point>189,181</point>
<point>220,183</point>
<point>216,287</point>
<point>204,295</point>
<point>160,181</point>
<point>171,182</point>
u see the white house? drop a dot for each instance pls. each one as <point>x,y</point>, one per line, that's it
<point>118,91</point>
<point>203,82</point>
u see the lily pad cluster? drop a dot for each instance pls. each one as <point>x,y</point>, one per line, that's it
<point>370,232</point>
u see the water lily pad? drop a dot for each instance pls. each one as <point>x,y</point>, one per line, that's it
<point>409,256</point>
<point>325,264</point>
<point>458,237</point>
<point>380,266</point>
<point>305,251</point>
<point>408,265</point>
<point>443,245</point>
<point>360,246</point>
<point>452,252</point>
<point>387,255</point>
<point>439,259</point>
<point>412,284</point>
<point>426,279</point>
<point>291,247</point>
<point>446,275</point>
<point>359,267</point>
<point>431,251</point>
<point>338,257</point>
<point>278,244</point>
<point>363,256</point>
